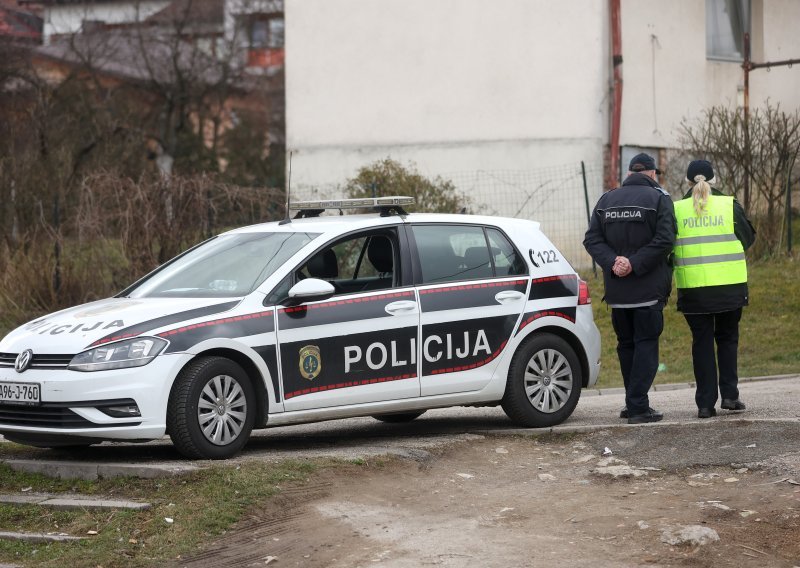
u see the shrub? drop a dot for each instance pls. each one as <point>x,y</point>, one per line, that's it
<point>389,177</point>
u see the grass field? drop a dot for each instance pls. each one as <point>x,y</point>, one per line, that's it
<point>187,512</point>
<point>769,333</point>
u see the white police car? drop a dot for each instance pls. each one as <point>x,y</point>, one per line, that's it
<point>384,314</point>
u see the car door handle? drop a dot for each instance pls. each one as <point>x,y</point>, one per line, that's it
<point>401,307</point>
<point>508,296</point>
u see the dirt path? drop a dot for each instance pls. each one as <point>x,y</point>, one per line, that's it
<point>509,502</point>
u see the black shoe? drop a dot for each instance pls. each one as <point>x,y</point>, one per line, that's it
<point>624,412</point>
<point>652,415</point>
<point>706,412</point>
<point>729,404</point>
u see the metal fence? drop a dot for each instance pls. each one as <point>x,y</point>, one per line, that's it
<point>558,197</point>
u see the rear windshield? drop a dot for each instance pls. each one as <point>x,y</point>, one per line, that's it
<point>227,266</point>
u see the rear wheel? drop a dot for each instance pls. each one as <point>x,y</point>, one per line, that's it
<point>211,409</point>
<point>398,418</point>
<point>544,382</point>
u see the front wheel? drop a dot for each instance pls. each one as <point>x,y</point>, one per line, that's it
<point>544,382</point>
<point>211,409</point>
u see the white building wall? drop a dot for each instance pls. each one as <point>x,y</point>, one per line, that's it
<point>68,18</point>
<point>455,86</point>
<point>471,84</point>
<point>667,76</point>
<point>461,86</point>
<point>776,39</point>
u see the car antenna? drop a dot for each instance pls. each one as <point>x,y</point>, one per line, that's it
<point>288,219</point>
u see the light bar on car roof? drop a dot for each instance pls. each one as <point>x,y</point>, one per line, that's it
<point>358,203</point>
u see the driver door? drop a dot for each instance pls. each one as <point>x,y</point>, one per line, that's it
<point>360,345</point>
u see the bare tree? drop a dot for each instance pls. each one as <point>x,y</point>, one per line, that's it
<point>774,148</point>
<point>90,124</point>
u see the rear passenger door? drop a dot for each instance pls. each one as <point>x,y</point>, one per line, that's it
<point>472,286</point>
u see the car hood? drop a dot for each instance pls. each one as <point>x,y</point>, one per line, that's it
<point>74,329</point>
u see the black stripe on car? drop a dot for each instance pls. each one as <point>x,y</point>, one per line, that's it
<point>554,287</point>
<point>348,361</point>
<point>456,346</point>
<point>340,311</point>
<point>183,338</point>
<point>568,313</point>
<point>269,354</point>
<point>466,295</point>
<point>145,326</point>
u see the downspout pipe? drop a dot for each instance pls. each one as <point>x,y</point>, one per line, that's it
<point>616,100</point>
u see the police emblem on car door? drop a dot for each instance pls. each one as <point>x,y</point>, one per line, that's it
<point>472,289</point>
<point>361,344</point>
<point>310,362</point>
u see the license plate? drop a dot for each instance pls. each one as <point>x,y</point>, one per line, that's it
<point>20,393</point>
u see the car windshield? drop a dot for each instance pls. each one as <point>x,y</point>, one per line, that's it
<point>226,266</point>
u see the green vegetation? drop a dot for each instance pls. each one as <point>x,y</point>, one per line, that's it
<point>202,506</point>
<point>389,177</point>
<point>769,334</point>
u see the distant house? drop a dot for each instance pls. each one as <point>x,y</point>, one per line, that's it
<point>68,17</point>
<point>257,25</point>
<point>18,25</point>
<point>163,77</point>
<point>200,22</point>
<point>217,60</point>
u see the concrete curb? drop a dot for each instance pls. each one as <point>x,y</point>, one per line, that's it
<point>71,502</point>
<point>91,471</point>
<point>679,386</point>
<point>533,432</point>
<point>38,537</point>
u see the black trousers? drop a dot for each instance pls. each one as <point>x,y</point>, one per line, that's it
<point>638,330</point>
<point>722,328</point>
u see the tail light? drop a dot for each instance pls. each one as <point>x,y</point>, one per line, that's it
<point>584,297</point>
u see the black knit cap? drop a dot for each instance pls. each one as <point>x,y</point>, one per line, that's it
<point>642,163</point>
<point>702,167</point>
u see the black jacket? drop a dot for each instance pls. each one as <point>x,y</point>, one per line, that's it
<point>715,299</point>
<point>637,221</point>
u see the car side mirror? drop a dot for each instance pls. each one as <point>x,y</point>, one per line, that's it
<point>310,290</point>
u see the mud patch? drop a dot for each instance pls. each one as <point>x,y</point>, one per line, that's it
<point>501,502</point>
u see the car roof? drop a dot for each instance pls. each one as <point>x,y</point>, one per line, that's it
<point>335,224</point>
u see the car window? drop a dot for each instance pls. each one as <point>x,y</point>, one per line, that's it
<point>360,263</point>
<point>507,261</point>
<point>227,266</point>
<point>452,252</point>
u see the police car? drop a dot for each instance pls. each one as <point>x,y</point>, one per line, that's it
<point>382,314</point>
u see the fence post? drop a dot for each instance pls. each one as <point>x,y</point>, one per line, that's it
<point>588,211</point>
<point>789,214</point>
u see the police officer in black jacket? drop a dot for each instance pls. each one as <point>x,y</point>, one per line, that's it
<point>631,235</point>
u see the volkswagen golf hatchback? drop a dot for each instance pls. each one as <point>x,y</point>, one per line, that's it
<point>382,314</point>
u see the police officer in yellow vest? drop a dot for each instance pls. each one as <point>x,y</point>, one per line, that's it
<point>711,277</point>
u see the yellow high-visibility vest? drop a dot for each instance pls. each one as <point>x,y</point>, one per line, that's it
<point>707,252</point>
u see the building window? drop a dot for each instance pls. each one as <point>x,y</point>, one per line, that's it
<point>266,32</point>
<point>726,23</point>
<point>264,40</point>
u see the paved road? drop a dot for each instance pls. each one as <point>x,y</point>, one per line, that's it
<point>767,400</point>
<point>775,399</point>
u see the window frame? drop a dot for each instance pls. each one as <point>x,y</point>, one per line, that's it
<point>746,25</point>
<point>396,233</point>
